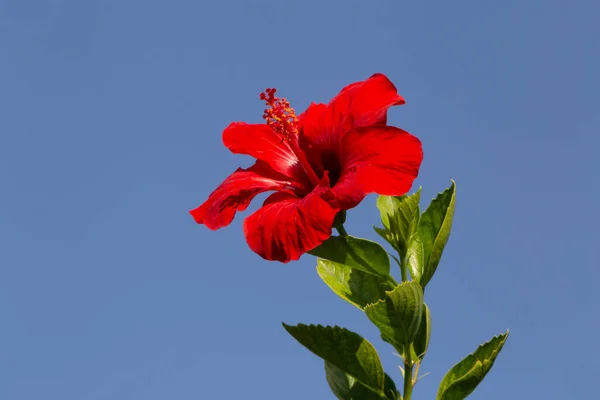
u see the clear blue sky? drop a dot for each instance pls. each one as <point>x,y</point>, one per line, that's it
<point>111,115</point>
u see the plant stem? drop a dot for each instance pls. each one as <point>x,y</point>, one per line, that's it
<point>391,282</point>
<point>403,269</point>
<point>408,363</point>
<point>408,377</point>
<point>338,223</point>
<point>341,230</point>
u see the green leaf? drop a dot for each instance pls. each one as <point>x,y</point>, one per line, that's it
<point>345,387</point>
<point>399,315</point>
<point>390,390</point>
<point>361,392</point>
<point>434,230</point>
<point>421,342</point>
<point>339,382</point>
<point>353,285</point>
<point>344,349</point>
<point>464,377</point>
<point>400,217</point>
<point>415,258</point>
<point>362,254</point>
<point>386,235</point>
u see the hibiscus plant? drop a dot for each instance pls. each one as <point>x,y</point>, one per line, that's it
<point>320,164</point>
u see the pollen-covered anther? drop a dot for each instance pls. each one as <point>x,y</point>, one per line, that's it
<point>280,116</point>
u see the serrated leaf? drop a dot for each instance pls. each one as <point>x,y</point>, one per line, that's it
<point>400,217</point>
<point>362,254</point>
<point>345,387</point>
<point>421,342</point>
<point>344,349</point>
<point>386,235</point>
<point>353,285</point>
<point>463,378</point>
<point>434,231</point>
<point>398,316</point>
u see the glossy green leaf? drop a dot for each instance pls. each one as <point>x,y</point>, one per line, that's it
<point>421,342</point>
<point>362,254</point>
<point>434,231</point>
<point>464,377</point>
<point>400,217</point>
<point>399,315</point>
<point>353,285</point>
<point>344,349</point>
<point>415,258</point>
<point>345,387</point>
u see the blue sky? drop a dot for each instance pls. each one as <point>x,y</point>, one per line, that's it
<point>110,120</point>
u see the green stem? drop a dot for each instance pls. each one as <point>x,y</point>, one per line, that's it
<point>391,282</point>
<point>403,269</point>
<point>408,377</point>
<point>408,363</point>
<point>340,228</point>
<point>338,223</point>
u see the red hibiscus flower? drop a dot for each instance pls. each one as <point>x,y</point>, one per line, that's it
<point>319,163</point>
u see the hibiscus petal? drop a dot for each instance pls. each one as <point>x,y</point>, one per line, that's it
<point>377,159</point>
<point>262,143</point>
<point>236,192</point>
<point>364,103</point>
<point>359,104</point>
<point>287,226</point>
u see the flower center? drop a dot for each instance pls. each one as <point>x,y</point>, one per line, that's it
<point>281,117</point>
<point>331,163</point>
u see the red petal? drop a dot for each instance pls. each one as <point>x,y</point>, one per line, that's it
<point>377,159</point>
<point>262,143</point>
<point>287,227</point>
<point>359,104</point>
<point>236,192</point>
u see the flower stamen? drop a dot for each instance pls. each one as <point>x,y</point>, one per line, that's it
<point>280,116</point>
